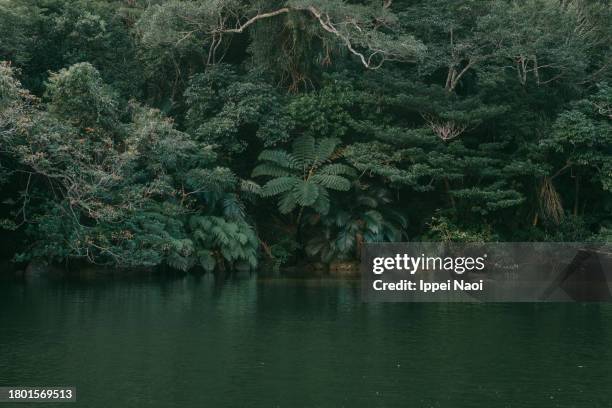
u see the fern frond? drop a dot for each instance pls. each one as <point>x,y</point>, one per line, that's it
<point>325,149</point>
<point>345,242</point>
<point>242,238</point>
<point>374,221</point>
<point>396,218</point>
<point>287,203</point>
<point>304,150</point>
<point>233,208</point>
<point>279,157</point>
<point>178,262</point>
<point>333,182</point>
<point>306,193</point>
<point>321,205</point>
<point>207,260</point>
<point>249,186</point>
<point>338,169</point>
<point>270,169</point>
<point>278,185</point>
<point>220,235</point>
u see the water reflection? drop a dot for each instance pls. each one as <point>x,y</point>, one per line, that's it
<point>262,342</point>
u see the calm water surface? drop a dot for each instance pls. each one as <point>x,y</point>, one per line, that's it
<point>249,342</point>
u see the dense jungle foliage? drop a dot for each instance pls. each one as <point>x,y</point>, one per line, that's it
<point>223,134</point>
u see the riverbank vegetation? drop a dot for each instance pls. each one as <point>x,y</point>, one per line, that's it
<point>227,134</point>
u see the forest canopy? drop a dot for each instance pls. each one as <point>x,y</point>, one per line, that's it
<point>228,134</point>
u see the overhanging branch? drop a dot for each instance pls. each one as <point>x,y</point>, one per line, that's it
<point>325,21</point>
<point>242,27</point>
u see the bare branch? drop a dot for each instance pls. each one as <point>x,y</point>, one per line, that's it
<point>445,129</point>
<point>326,23</point>
<point>252,20</point>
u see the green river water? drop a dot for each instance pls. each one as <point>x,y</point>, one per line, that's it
<point>274,342</point>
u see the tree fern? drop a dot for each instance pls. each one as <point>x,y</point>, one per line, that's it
<point>233,243</point>
<point>304,184</point>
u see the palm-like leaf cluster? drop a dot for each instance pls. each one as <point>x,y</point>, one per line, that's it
<point>367,216</point>
<point>233,244</point>
<point>304,176</point>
